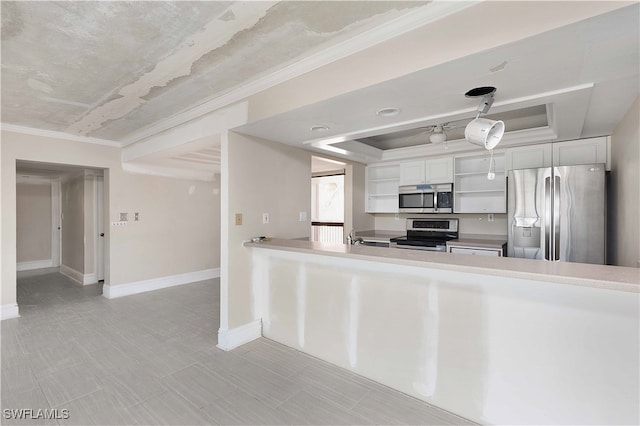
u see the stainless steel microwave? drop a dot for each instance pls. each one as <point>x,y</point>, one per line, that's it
<point>426,198</point>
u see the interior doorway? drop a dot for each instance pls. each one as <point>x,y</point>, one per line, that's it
<point>327,200</point>
<point>73,222</point>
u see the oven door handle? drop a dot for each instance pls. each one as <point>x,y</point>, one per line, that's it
<point>435,201</point>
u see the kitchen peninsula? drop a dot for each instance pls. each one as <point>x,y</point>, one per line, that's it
<point>495,340</point>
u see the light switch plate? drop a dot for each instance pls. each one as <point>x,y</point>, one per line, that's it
<point>124,217</point>
<point>238,218</point>
<point>265,218</point>
<point>303,216</point>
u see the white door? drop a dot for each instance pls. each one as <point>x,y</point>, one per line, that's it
<point>99,211</point>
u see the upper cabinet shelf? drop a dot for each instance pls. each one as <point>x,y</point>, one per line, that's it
<point>381,187</point>
<point>473,191</point>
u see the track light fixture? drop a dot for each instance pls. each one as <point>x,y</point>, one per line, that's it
<point>482,131</point>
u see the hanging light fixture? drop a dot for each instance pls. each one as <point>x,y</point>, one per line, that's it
<point>483,131</point>
<point>438,135</point>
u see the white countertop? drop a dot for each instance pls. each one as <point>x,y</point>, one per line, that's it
<point>597,276</point>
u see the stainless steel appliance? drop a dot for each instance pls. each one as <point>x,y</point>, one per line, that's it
<point>428,234</point>
<point>426,198</point>
<point>558,213</point>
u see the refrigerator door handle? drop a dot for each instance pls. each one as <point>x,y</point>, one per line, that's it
<point>556,217</point>
<point>547,218</point>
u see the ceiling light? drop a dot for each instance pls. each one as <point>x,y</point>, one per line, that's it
<point>319,128</point>
<point>438,135</point>
<point>388,112</point>
<point>482,131</point>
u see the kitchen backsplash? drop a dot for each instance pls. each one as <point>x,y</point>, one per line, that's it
<point>468,223</point>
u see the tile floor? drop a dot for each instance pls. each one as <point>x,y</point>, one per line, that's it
<point>151,359</point>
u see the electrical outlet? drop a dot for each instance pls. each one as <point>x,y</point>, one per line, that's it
<point>124,217</point>
<point>265,218</point>
<point>238,218</point>
<point>396,216</point>
<point>490,217</point>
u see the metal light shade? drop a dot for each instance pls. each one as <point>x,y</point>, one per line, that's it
<point>484,132</point>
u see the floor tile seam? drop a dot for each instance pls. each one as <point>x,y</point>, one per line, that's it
<point>270,369</point>
<point>330,403</point>
<point>179,395</point>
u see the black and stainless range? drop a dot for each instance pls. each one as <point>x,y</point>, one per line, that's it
<point>428,234</point>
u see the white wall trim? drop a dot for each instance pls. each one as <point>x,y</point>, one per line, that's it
<point>57,135</point>
<point>35,264</point>
<point>9,311</point>
<point>120,290</point>
<point>77,276</point>
<point>230,339</point>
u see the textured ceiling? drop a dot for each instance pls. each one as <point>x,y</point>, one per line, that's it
<point>107,69</point>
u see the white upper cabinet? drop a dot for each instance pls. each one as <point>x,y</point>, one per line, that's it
<point>529,157</point>
<point>437,170</point>
<point>474,191</point>
<point>569,153</point>
<point>584,151</point>
<point>381,187</point>
<point>412,172</point>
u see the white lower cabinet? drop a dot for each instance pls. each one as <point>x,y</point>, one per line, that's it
<point>476,251</point>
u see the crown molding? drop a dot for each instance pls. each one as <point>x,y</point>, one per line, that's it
<point>57,135</point>
<point>401,25</point>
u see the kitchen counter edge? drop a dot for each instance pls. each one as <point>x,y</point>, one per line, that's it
<point>618,278</point>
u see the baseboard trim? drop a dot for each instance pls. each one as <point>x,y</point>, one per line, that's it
<point>121,290</point>
<point>77,276</point>
<point>35,264</point>
<point>230,339</point>
<point>9,311</point>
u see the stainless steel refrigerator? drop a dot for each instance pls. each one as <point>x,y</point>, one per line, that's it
<point>558,213</point>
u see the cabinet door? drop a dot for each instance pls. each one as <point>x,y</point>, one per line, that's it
<point>529,157</point>
<point>439,170</point>
<point>412,172</point>
<point>584,151</point>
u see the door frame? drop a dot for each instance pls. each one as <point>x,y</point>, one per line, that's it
<point>99,227</point>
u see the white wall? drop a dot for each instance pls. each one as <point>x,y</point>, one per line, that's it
<point>624,187</point>
<point>33,207</point>
<point>177,233</point>
<point>257,176</point>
